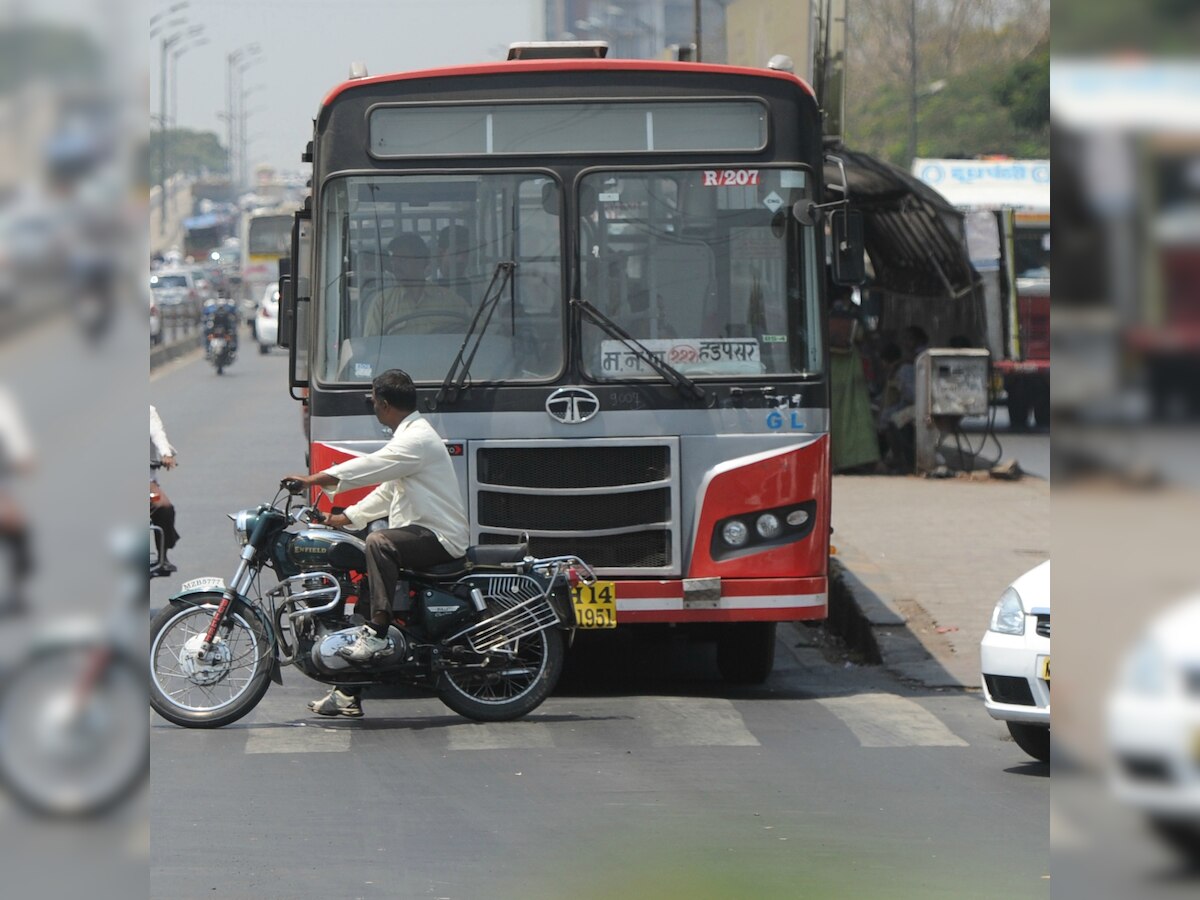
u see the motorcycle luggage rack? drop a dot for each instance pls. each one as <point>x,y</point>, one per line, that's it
<point>527,611</point>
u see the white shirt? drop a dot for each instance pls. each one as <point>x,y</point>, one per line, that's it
<point>159,445</point>
<point>417,485</point>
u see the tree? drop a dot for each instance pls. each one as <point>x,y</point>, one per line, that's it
<point>192,152</point>
<point>949,68</point>
<point>1025,91</point>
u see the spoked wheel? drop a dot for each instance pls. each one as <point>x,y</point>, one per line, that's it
<point>73,731</point>
<point>512,685</point>
<point>207,690</point>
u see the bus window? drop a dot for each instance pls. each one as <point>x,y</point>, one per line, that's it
<point>706,268</point>
<point>407,261</point>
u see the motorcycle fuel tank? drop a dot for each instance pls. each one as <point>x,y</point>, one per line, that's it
<point>326,547</point>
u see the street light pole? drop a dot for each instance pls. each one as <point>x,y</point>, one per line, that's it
<point>174,69</point>
<point>912,80</point>
<point>233,69</point>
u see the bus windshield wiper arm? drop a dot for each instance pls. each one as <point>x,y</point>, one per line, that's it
<point>459,371</point>
<point>677,379</point>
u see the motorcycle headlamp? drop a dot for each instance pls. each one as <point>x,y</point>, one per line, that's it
<point>243,525</point>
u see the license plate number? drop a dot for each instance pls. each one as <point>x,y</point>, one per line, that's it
<point>1044,669</point>
<point>596,605</point>
<point>204,584</point>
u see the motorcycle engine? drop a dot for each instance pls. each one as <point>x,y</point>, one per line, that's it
<point>324,653</point>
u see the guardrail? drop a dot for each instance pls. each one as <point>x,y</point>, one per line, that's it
<point>181,333</point>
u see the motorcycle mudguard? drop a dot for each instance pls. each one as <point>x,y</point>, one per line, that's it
<point>209,597</point>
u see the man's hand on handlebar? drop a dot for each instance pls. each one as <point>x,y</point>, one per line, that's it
<point>296,483</point>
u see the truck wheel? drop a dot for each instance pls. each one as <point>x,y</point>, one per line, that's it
<point>1018,406</point>
<point>746,652</point>
<point>1041,404</point>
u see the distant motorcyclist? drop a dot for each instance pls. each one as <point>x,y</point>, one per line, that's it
<point>221,318</point>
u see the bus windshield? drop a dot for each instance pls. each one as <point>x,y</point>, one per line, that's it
<point>706,268</point>
<point>406,261</point>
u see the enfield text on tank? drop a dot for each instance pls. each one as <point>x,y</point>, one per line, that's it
<point>486,633</point>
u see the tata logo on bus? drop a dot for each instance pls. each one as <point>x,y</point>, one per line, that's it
<point>572,406</point>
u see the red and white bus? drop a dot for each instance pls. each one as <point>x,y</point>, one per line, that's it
<point>641,378</point>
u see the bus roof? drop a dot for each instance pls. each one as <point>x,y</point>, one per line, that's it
<point>566,65</point>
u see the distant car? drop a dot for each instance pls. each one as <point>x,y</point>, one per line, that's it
<point>1015,661</point>
<point>266,319</point>
<point>1154,727</point>
<point>177,289</point>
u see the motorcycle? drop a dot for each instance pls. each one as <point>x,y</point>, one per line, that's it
<point>73,740</point>
<point>487,633</point>
<point>221,351</point>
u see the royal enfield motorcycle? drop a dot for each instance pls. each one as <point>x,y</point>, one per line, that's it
<point>487,634</point>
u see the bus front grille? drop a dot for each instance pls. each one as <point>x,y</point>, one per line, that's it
<point>614,503</point>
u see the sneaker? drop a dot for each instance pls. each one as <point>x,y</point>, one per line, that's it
<point>335,703</point>
<point>365,647</point>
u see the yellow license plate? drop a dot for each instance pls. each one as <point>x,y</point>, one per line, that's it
<point>596,605</point>
<point>1044,669</point>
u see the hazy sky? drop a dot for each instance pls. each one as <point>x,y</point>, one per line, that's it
<point>307,47</point>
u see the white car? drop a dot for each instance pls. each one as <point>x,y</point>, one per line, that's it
<point>266,319</point>
<point>1154,727</point>
<point>1015,661</point>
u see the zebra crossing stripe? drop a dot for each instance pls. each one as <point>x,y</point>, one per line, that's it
<point>886,720</point>
<point>298,739</point>
<point>501,736</point>
<point>693,722</point>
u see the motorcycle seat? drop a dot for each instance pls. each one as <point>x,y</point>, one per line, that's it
<point>497,554</point>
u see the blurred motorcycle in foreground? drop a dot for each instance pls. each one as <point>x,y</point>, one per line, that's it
<point>73,739</point>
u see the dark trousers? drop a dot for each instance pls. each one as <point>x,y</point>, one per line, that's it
<point>162,514</point>
<point>393,549</point>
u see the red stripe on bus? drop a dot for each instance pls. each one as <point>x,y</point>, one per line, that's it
<point>566,65</point>
<point>786,614</point>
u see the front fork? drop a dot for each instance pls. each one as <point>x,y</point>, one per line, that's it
<point>235,588</point>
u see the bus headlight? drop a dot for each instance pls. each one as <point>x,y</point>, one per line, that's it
<point>761,529</point>
<point>768,526</point>
<point>735,533</point>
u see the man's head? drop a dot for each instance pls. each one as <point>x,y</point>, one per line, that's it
<point>913,339</point>
<point>410,257</point>
<point>393,396</point>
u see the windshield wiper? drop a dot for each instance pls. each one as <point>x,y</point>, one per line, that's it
<point>677,379</point>
<point>456,376</point>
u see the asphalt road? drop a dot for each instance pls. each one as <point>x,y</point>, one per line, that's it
<point>643,776</point>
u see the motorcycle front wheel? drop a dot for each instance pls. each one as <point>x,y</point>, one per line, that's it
<point>512,689</point>
<point>198,690</point>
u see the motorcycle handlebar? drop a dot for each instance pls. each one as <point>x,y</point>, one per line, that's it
<point>291,485</point>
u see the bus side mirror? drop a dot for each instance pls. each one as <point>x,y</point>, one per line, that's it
<point>287,311</point>
<point>849,267</point>
<point>294,297</point>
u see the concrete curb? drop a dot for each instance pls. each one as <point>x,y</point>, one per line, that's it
<point>871,627</point>
<point>166,352</point>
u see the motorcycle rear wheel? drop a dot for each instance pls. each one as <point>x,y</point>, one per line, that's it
<point>207,696</point>
<point>517,691</point>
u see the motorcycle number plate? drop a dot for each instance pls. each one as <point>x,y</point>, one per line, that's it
<point>596,605</point>
<point>209,582</point>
